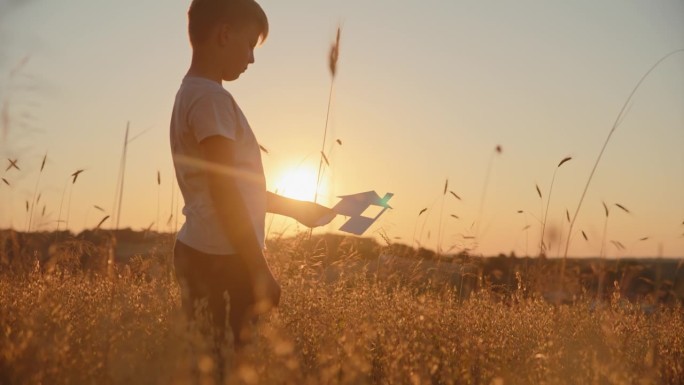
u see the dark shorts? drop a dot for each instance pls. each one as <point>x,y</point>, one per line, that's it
<point>208,277</point>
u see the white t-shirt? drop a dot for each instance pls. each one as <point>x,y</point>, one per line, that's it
<point>203,108</point>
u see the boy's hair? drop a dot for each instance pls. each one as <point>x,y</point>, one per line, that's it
<point>204,15</point>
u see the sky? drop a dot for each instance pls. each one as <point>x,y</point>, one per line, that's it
<point>424,93</point>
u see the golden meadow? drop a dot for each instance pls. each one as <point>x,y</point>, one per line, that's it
<point>353,312</point>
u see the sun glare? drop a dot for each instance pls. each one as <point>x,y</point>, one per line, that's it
<point>298,183</point>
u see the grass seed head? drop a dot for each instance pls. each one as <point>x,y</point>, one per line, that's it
<point>618,245</point>
<point>102,221</point>
<point>13,164</point>
<point>75,175</point>
<point>564,160</point>
<point>623,208</point>
<point>334,54</point>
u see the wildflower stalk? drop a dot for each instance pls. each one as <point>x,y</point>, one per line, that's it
<point>120,184</point>
<point>35,191</point>
<point>439,228</point>
<point>497,151</point>
<point>334,55</point>
<point>415,227</point>
<point>542,246</point>
<point>74,176</point>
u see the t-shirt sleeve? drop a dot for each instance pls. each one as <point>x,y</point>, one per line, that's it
<point>211,115</point>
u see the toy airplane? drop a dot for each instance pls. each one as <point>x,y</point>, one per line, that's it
<point>354,205</point>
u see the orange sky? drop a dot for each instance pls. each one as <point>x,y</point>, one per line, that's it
<point>422,95</point>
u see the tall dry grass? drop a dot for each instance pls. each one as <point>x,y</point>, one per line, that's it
<point>616,124</point>
<point>333,57</point>
<point>342,320</point>
<point>542,245</point>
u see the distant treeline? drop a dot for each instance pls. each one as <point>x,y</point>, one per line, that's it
<point>648,280</point>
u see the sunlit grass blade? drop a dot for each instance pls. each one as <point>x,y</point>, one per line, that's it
<point>615,125</point>
<point>99,224</point>
<point>623,208</point>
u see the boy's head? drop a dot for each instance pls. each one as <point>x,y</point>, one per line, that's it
<point>227,31</point>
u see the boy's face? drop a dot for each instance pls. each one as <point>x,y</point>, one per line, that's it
<point>237,49</point>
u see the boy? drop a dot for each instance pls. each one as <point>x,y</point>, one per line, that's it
<point>218,167</point>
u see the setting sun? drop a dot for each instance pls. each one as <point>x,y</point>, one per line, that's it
<point>299,183</point>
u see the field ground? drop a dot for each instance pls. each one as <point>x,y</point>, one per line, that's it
<point>102,308</point>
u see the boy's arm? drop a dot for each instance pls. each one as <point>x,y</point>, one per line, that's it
<point>235,220</point>
<point>309,214</point>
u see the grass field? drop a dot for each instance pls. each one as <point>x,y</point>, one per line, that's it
<point>342,320</point>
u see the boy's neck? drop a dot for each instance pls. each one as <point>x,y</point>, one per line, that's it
<point>203,68</point>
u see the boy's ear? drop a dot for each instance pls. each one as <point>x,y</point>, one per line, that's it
<point>222,33</point>
<point>226,32</point>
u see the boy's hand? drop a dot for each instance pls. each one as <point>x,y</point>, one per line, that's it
<point>309,214</point>
<point>312,214</point>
